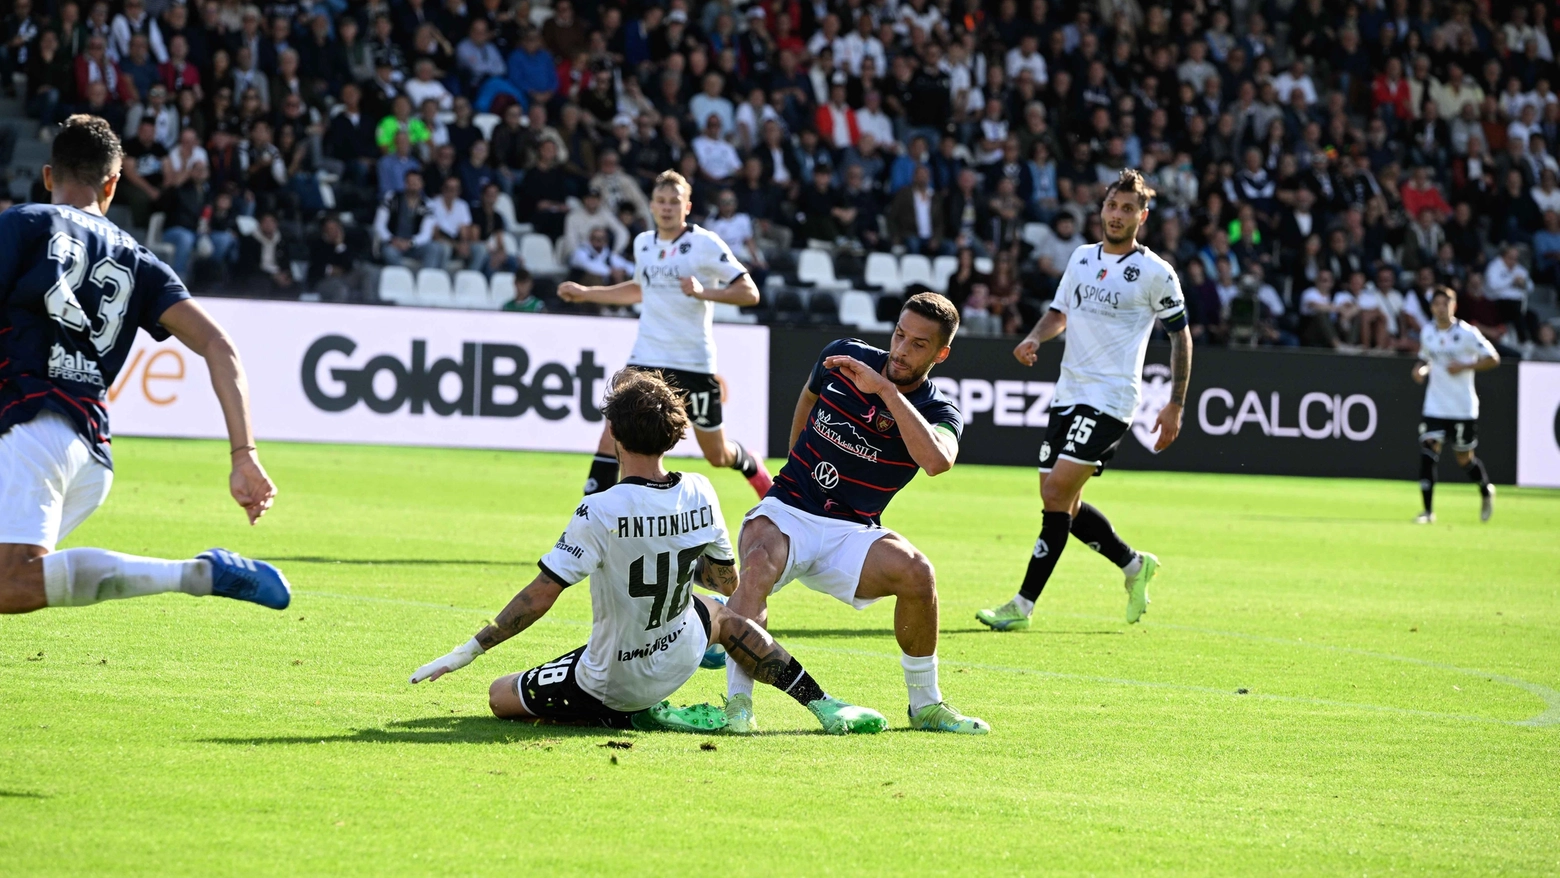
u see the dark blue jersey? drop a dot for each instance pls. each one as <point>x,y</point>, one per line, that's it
<point>73,289</point>
<point>849,460</point>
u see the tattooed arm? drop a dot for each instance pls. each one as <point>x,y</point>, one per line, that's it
<point>1180,379</point>
<point>715,576</point>
<point>530,604</point>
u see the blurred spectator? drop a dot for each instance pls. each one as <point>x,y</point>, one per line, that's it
<point>1507,284</point>
<point>453,226</point>
<point>595,263</point>
<point>916,216</point>
<point>404,226</point>
<point>334,272</point>
<point>265,258</point>
<point>593,213</point>
<point>524,300</point>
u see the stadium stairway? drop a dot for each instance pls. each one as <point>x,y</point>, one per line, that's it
<point>31,153</point>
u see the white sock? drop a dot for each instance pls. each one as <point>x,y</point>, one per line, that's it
<point>737,680</point>
<point>921,679</point>
<point>1024,604</point>
<point>1134,566</point>
<point>81,577</point>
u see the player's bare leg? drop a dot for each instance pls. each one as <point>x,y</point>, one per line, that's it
<point>726,454</point>
<point>504,698</point>
<point>32,578</point>
<point>21,578</point>
<point>764,550</point>
<point>766,661</point>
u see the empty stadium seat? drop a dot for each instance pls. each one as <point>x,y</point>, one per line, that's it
<point>536,254</point>
<point>397,286</point>
<point>154,242</point>
<point>501,289</point>
<point>486,122</point>
<point>505,207</point>
<point>433,288</point>
<point>984,265</point>
<point>471,290</point>
<point>1033,234</point>
<point>858,309</point>
<point>943,267</point>
<point>915,269</point>
<point>883,272</point>
<point>817,268</point>
<point>823,307</point>
<point>789,307</point>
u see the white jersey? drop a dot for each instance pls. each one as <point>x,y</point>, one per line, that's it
<point>677,331</point>
<point>1446,395</point>
<point>638,541</point>
<point>1111,302</point>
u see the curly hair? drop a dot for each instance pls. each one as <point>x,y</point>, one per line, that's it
<point>646,414</point>
<point>86,150</point>
<point>1131,180</point>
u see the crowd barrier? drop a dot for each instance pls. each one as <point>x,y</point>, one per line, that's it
<point>410,376</point>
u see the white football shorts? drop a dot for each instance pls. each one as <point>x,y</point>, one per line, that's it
<point>49,481</point>
<point>826,554</point>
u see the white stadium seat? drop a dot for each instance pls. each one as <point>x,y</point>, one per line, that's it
<point>471,290</point>
<point>915,269</point>
<point>501,289</point>
<point>486,122</point>
<point>1033,234</point>
<point>536,253</point>
<point>859,309</point>
<point>396,285</point>
<point>433,288</point>
<point>984,265</point>
<point>883,272</point>
<point>943,267</point>
<point>505,207</point>
<point>817,268</point>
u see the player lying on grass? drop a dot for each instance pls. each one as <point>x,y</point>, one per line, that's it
<point>865,423</point>
<point>642,543</point>
<point>1450,352</point>
<point>680,271</point>
<point>73,291</point>
<point>1107,301</point>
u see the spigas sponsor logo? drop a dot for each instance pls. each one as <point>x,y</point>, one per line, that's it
<point>1084,294</point>
<point>489,380</point>
<point>73,366</point>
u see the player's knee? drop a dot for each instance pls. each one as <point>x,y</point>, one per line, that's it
<point>916,577</point>
<point>1054,494</point>
<point>1464,458</point>
<point>504,697</point>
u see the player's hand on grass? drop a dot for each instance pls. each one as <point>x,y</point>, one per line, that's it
<point>250,485</point>
<point>866,378</point>
<point>1027,351</point>
<point>691,287</point>
<point>458,658</point>
<point>1168,426</point>
<point>569,291</point>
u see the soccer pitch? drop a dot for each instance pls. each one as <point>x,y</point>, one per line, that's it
<point>1399,712</point>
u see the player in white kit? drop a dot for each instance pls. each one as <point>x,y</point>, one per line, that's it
<point>680,271</point>
<point>1107,302</point>
<point>1450,352</point>
<point>643,543</point>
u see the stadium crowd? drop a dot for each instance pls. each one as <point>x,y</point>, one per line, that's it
<point>1320,165</point>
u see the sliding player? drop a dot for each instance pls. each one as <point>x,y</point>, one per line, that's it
<point>1107,301</point>
<point>73,291</point>
<point>1450,352</point>
<point>866,422</point>
<point>642,543</point>
<point>677,269</point>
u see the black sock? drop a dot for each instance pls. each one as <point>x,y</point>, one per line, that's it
<point>797,683</point>
<point>1091,526</point>
<point>1427,461</point>
<point>744,464</point>
<point>603,474</point>
<point>1477,474</point>
<point>1048,550</point>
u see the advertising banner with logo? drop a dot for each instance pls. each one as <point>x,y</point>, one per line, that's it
<point>1268,412</point>
<point>1538,427</point>
<point>413,376</point>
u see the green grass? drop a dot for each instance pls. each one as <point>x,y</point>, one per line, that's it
<point>1401,712</point>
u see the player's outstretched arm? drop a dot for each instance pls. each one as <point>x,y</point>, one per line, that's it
<point>741,292</point>
<point>933,450</point>
<point>249,483</point>
<point>625,293</point>
<point>1049,327</point>
<point>531,604</point>
<point>1169,423</point>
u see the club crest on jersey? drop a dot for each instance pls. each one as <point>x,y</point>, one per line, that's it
<point>684,247</point>
<point>1131,273</point>
<point>881,421</point>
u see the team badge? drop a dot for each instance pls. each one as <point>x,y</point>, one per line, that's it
<point>881,421</point>
<point>684,247</point>
<point>1101,275</point>
<point>1131,273</point>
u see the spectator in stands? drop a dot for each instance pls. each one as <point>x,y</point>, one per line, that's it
<point>453,226</point>
<point>349,138</point>
<point>617,188</point>
<point>1318,313</point>
<point>188,218</point>
<point>736,229</point>
<point>525,300</point>
<point>593,213</point>
<point>1546,347</point>
<point>1204,310</point>
<point>165,119</point>
<point>594,263</point>
<point>401,121</point>
<point>48,69</point>
<point>265,259</point>
<point>143,170</point>
<point>404,226</point>
<point>835,120</point>
<point>334,272</point>
<point>530,77</point>
<point>543,200</point>
<point>1546,250</point>
<point>177,72</point>
<point>392,168</point>
<point>1507,284</point>
<point>424,87</point>
<point>916,217</point>
<point>95,67</point>
<point>718,160</point>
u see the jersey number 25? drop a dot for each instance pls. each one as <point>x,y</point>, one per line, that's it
<point>114,280</point>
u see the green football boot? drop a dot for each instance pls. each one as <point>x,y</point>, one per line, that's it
<point>1137,587</point>
<point>839,718</point>
<point>944,717</point>
<point>692,718</point>
<point>1007,617</point>
<point>739,715</point>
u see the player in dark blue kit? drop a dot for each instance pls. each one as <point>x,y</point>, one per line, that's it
<point>73,290</point>
<point>866,422</point>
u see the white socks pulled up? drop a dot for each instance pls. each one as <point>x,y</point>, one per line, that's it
<point>82,577</point>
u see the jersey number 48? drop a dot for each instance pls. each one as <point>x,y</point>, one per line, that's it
<point>681,591</point>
